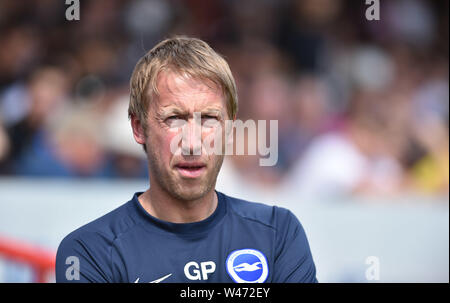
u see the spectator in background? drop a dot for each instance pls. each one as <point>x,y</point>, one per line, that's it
<point>21,49</point>
<point>430,173</point>
<point>74,145</point>
<point>311,116</point>
<point>351,159</point>
<point>127,159</point>
<point>42,96</point>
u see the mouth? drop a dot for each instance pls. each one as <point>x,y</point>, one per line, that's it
<point>190,169</point>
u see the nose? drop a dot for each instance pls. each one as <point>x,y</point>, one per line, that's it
<point>191,143</point>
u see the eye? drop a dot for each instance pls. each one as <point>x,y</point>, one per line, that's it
<point>210,121</point>
<point>173,118</point>
<point>209,117</point>
<point>174,121</point>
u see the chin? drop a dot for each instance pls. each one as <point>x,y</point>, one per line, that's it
<point>191,192</point>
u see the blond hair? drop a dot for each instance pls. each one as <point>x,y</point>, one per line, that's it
<point>190,56</point>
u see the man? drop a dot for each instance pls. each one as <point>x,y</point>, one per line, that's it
<point>181,229</point>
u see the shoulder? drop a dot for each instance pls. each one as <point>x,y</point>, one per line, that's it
<point>272,216</point>
<point>93,245</point>
<point>103,230</point>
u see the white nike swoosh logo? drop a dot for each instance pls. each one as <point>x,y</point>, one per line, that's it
<point>157,280</point>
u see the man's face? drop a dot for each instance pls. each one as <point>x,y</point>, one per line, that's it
<point>185,171</point>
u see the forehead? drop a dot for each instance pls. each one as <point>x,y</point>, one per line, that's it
<point>184,91</point>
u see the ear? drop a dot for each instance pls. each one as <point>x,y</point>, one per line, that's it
<point>138,130</point>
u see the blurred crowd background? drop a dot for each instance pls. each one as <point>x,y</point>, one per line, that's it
<point>362,106</point>
<point>362,109</point>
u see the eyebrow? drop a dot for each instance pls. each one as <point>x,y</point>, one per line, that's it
<point>170,110</point>
<point>175,110</point>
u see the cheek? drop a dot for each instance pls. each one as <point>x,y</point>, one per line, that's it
<point>159,141</point>
<point>165,144</point>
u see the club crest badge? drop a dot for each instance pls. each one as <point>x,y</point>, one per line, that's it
<point>247,266</point>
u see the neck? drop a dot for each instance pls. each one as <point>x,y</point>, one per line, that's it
<point>161,205</point>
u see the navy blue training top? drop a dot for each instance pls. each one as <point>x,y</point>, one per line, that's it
<point>240,242</point>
